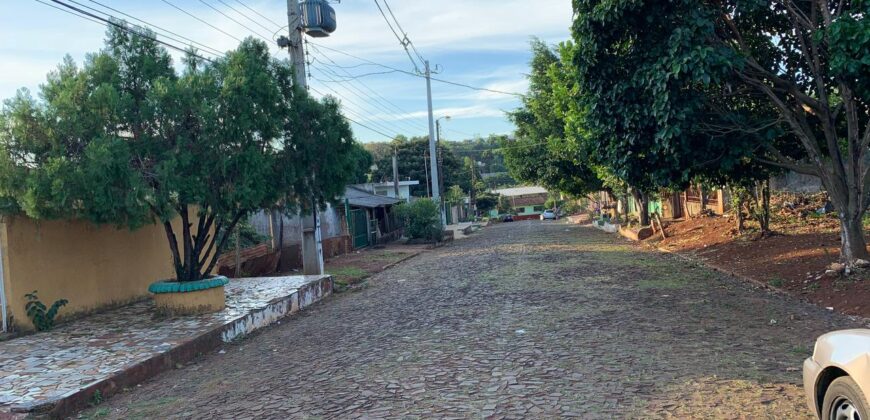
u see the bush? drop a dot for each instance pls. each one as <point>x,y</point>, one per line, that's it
<point>422,220</point>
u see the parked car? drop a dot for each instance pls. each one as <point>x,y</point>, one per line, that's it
<point>507,218</point>
<point>549,215</point>
<point>837,376</point>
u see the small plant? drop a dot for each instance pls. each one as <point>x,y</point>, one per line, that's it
<point>776,282</point>
<point>42,317</point>
<point>97,398</point>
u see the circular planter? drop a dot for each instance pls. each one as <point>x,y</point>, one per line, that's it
<point>190,297</point>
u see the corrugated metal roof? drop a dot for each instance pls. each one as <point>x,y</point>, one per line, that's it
<point>513,192</point>
<point>359,198</point>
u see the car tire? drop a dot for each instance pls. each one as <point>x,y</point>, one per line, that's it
<point>842,398</point>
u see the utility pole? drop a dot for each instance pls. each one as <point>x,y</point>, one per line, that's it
<point>472,195</point>
<point>433,154</point>
<point>426,173</point>
<point>396,173</point>
<point>312,245</point>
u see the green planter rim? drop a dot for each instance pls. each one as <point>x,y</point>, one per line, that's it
<point>168,286</point>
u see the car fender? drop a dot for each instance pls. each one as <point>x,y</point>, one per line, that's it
<point>848,350</point>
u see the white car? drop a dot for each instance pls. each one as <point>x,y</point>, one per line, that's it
<point>548,215</point>
<point>837,376</point>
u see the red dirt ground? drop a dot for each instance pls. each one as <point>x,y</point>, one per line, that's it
<point>793,260</point>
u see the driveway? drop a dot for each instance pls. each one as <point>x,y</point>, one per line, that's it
<point>521,320</point>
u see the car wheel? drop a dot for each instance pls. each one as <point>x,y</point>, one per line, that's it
<point>845,401</point>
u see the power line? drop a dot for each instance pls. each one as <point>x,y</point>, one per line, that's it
<point>70,12</point>
<point>267,39</point>
<point>357,76</point>
<point>258,13</point>
<point>245,16</point>
<point>203,21</point>
<point>369,100</point>
<point>151,26</point>
<point>383,126</point>
<point>502,92</point>
<point>372,91</point>
<point>403,40</point>
<point>83,13</point>
<point>353,121</point>
<point>375,96</point>
<point>398,25</point>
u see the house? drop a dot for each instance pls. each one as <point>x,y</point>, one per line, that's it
<point>359,220</point>
<point>370,217</point>
<point>388,189</point>
<point>526,202</point>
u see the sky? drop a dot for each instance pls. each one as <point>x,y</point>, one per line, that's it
<point>482,43</point>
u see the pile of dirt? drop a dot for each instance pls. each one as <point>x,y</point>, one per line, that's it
<point>794,259</point>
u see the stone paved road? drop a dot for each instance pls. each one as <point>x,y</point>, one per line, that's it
<point>522,320</point>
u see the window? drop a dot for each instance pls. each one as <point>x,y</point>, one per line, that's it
<point>539,208</point>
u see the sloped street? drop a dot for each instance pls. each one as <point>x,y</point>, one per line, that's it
<point>521,320</point>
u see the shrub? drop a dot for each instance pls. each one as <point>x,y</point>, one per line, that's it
<point>41,316</point>
<point>422,220</point>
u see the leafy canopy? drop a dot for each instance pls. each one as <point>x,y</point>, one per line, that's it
<point>126,139</point>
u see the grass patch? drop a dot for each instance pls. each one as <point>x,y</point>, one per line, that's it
<point>776,282</point>
<point>347,275</point>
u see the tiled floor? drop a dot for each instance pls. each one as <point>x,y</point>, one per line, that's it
<point>50,365</point>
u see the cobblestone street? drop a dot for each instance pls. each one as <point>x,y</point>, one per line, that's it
<point>520,320</point>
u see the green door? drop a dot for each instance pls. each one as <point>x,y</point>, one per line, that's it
<point>360,228</point>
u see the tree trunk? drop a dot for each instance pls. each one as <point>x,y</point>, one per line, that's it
<point>703,197</point>
<point>737,200</point>
<point>642,202</point>
<point>644,209</point>
<point>764,220</point>
<point>853,245</point>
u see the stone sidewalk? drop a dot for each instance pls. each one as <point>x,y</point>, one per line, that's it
<point>65,368</point>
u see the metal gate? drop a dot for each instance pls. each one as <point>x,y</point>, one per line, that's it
<point>360,228</point>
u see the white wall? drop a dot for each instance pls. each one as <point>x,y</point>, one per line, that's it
<point>331,225</point>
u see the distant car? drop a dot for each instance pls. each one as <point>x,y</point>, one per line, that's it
<point>549,215</point>
<point>837,376</point>
<point>507,218</point>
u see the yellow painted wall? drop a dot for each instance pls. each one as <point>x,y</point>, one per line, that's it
<point>91,266</point>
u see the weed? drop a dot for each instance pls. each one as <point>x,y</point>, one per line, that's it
<point>97,398</point>
<point>41,316</point>
<point>776,282</point>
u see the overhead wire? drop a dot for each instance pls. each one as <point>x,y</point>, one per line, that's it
<point>202,20</point>
<point>175,36</point>
<point>257,13</point>
<point>372,91</point>
<point>266,38</point>
<point>386,126</point>
<point>84,13</point>
<point>449,82</point>
<point>403,40</point>
<point>399,25</point>
<point>356,122</point>
<point>382,103</point>
<point>256,22</point>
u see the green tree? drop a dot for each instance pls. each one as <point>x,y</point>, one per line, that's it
<point>454,195</point>
<point>128,141</point>
<point>542,153</point>
<point>487,202</point>
<point>684,83</point>
<point>411,154</point>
